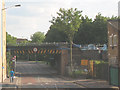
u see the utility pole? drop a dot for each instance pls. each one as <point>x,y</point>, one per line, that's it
<point>0,50</point>
<point>4,71</point>
<point>4,61</point>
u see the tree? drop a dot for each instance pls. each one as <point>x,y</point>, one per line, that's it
<point>69,22</point>
<point>37,37</point>
<point>100,29</point>
<point>55,35</point>
<point>10,39</point>
<point>84,34</point>
<point>94,32</point>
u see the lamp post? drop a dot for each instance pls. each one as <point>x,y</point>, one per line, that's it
<point>4,68</point>
<point>17,5</point>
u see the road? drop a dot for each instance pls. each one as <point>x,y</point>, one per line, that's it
<point>39,75</point>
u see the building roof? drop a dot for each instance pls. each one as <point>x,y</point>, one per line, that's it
<point>21,39</point>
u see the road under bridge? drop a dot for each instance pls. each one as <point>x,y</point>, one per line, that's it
<point>55,52</point>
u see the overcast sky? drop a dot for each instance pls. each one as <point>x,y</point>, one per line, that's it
<point>34,15</point>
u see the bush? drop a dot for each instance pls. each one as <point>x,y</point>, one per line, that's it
<point>9,62</point>
<point>77,73</point>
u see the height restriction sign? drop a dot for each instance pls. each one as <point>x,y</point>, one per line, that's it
<point>35,49</point>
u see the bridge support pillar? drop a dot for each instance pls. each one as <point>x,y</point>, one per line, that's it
<point>64,61</point>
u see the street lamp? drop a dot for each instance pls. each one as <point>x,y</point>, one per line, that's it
<point>4,38</point>
<point>17,5</point>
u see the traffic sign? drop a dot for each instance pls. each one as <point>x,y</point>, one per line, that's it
<point>84,62</point>
<point>35,49</point>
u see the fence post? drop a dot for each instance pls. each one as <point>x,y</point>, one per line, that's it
<point>94,70</point>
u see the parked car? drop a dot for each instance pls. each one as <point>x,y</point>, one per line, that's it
<point>104,47</point>
<point>91,47</point>
<point>77,45</point>
<point>84,48</point>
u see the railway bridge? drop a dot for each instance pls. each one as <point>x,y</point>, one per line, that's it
<point>52,52</point>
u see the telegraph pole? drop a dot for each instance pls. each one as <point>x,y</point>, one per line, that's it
<point>4,71</point>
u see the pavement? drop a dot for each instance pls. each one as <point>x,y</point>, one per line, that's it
<point>7,84</point>
<point>92,83</point>
<point>86,83</point>
<point>44,77</point>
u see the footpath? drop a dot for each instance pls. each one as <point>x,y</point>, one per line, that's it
<point>7,84</point>
<point>87,83</point>
<point>91,83</point>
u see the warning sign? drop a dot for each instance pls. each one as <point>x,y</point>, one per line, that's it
<point>35,49</point>
<point>84,62</point>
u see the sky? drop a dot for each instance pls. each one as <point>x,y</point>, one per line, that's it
<point>34,15</point>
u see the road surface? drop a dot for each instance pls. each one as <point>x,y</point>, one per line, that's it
<point>39,75</point>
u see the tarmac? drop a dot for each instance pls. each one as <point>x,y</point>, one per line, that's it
<point>43,69</point>
<point>86,83</point>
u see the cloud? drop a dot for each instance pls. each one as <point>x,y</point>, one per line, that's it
<point>93,7</point>
<point>26,26</point>
<point>34,15</point>
<point>47,8</point>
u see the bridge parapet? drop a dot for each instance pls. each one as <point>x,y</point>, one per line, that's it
<point>44,44</point>
<point>51,48</point>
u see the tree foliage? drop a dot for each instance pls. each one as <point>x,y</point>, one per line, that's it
<point>10,39</point>
<point>89,32</point>
<point>37,37</point>
<point>94,32</point>
<point>84,34</point>
<point>67,21</point>
<point>55,35</point>
<point>100,29</point>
